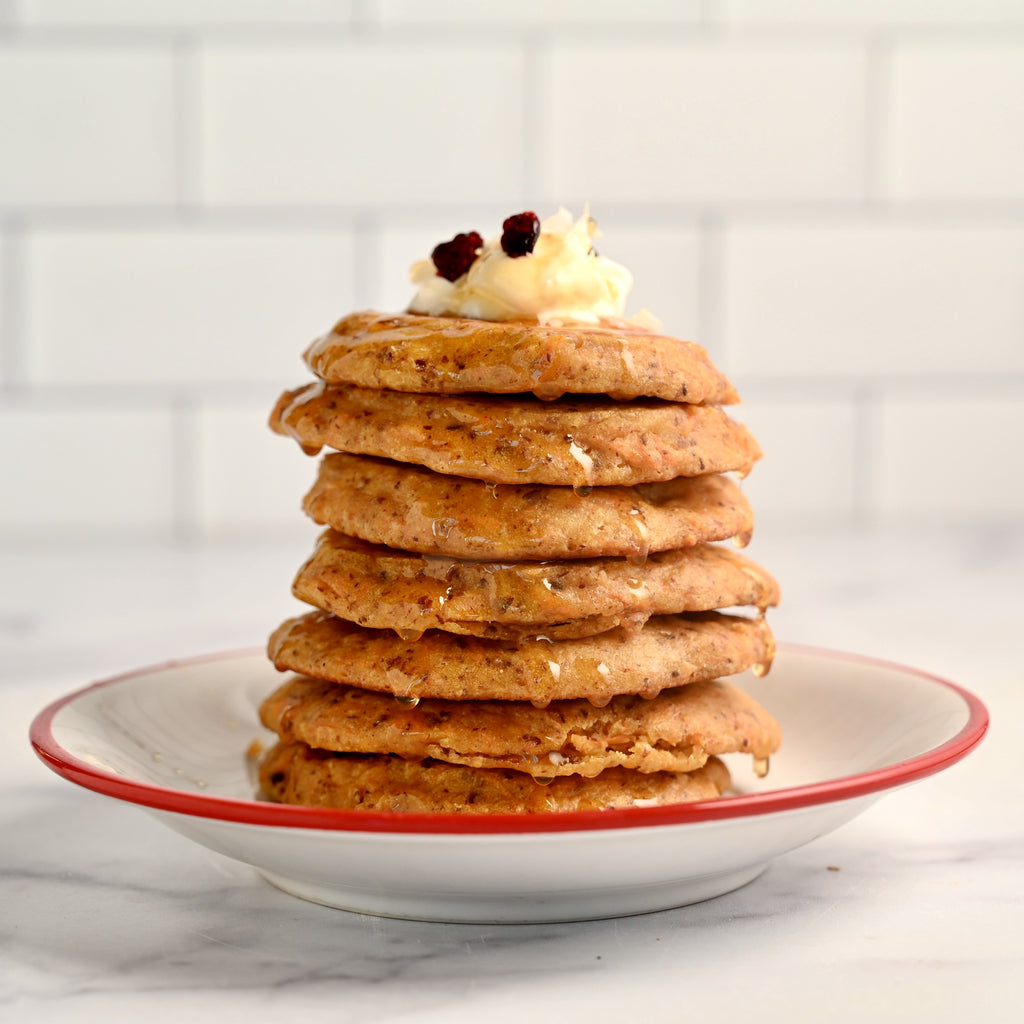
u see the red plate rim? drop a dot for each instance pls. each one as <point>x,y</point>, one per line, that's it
<point>255,812</point>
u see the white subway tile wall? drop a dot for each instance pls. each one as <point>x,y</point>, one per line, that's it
<point>543,12</point>
<point>185,13</point>
<point>829,194</point>
<point>812,475</point>
<point>706,121</point>
<point>359,123</point>
<point>4,367</point>
<point>85,125</point>
<point>874,299</point>
<point>71,464</point>
<point>874,13</point>
<point>178,306</point>
<point>956,125</point>
<point>243,497</point>
<point>942,459</point>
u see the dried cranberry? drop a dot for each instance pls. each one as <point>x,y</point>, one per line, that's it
<point>454,258</point>
<point>520,233</point>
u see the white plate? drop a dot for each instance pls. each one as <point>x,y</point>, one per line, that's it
<point>174,738</point>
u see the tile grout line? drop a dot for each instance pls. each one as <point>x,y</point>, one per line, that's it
<point>711,21</point>
<point>955,212</point>
<point>366,16</point>
<point>866,454</point>
<point>536,126</point>
<point>186,124</point>
<point>184,467</point>
<point>711,288</point>
<point>877,107</point>
<point>367,23</point>
<point>364,275</point>
<point>710,16</point>
<point>13,287</point>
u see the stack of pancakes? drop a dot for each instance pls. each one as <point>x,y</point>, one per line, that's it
<point>518,598</point>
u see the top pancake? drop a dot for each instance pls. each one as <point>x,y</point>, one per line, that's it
<point>451,355</point>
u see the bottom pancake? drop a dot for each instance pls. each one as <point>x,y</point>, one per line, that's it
<point>294,773</point>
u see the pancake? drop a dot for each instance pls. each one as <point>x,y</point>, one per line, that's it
<point>294,773</point>
<point>676,731</point>
<point>451,355</point>
<point>383,588</point>
<point>670,650</point>
<point>415,509</point>
<point>580,442</point>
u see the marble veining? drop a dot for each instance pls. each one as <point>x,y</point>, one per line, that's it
<point>912,911</point>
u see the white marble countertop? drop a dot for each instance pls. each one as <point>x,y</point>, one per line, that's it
<point>105,915</point>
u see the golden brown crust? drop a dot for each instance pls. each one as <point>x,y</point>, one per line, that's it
<point>668,651</point>
<point>450,355</point>
<point>584,442</point>
<point>383,588</point>
<point>415,509</point>
<point>295,774</point>
<point>675,731</point>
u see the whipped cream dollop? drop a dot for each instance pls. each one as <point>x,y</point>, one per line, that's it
<point>562,280</point>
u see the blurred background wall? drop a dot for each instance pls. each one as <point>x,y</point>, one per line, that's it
<point>828,195</point>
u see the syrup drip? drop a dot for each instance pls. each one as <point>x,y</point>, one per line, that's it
<point>638,523</point>
<point>301,398</point>
<point>764,666</point>
<point>628,365</point>
<point>762,585</point>
<point>599,702</point>
<point>543,780</point>
<point>540,703</point>
<point>760,767</point>
<point>408,702</point>
<point>410,634</point>
<point>437,568</point>
<point>584,458</point>
<point>441,528</point>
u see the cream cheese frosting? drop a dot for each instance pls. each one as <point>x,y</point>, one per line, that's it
<point>562,280</point>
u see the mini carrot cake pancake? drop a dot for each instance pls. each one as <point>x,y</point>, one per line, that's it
<point>384,588</point>
<point>582,442</point>
<point>669,650</point>
<point>445,355</point>
<point>676,731</point>
<point>296,774</point>
<point>414,509</point>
